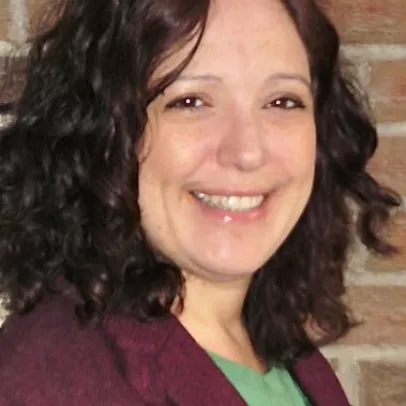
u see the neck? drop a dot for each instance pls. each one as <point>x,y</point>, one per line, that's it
<point>212,314</point>
<point>213,303</point>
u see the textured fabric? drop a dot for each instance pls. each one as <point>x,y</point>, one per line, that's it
<point>47,359</point>
<point>276,387</point>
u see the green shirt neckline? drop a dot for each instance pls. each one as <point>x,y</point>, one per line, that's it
<point>276,387</point>
<point>219,360</point>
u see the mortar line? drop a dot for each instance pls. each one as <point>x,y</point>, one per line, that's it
<point>375,52</point>
<point>366,352</point>
<point>368,278</point>
<point>18,27</point>
<point>392,129</point>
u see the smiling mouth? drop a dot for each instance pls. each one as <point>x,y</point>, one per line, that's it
<point>231,203</point>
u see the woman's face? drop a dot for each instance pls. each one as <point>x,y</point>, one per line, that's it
<point>228,158</point>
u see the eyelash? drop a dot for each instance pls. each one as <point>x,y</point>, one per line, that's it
<point>282,103</point>
<point>189,103</point>
<point>184,103</point>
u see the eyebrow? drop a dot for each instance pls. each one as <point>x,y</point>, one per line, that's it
<point>274,77</point>
<point>207,77</point>
<point>288,76</point>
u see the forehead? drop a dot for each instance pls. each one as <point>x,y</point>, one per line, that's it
<point>245,36</point>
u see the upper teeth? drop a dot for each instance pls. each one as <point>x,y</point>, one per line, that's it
<point>231,203</point>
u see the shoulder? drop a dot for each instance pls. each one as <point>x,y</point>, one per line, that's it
<point>51,320</point>
<point>47,357</point>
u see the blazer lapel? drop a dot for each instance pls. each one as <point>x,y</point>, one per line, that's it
<point>319,382</point>
<point>190,376</point>
<point>189,372</point>
<point>169,364</point>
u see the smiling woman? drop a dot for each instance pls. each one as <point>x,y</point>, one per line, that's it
<point>240,122</point>
<point>181,175</point>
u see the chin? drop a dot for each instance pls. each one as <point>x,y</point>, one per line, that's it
<point>230,269</point>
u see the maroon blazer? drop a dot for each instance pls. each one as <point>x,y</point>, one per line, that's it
<point>47,359</point>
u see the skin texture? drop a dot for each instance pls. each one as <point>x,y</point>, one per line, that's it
<point>238,121</point>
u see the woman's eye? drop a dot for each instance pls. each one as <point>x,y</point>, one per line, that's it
<point>287,103</point>
<point>190,102</point>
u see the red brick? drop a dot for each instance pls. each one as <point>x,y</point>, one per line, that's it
<point>36,7</point>
<point>396,234</point>
<point>383,384</point>
<point>370,21</point>
<point>4,18</point>
<point>388,90</point>
<point>389,163</point>
<point>383,312</point>
<point>39,12</point>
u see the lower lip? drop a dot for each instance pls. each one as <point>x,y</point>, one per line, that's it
<point>226,216</point>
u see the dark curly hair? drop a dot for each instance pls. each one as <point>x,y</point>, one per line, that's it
<point>68,176</point>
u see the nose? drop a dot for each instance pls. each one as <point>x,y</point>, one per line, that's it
<point>242,145</point>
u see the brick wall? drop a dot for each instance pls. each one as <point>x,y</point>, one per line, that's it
<point>371,361</point>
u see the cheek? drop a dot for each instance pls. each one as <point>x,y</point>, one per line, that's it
<point>296,150</point>
<point>305,156</point>
<point>175,155</point>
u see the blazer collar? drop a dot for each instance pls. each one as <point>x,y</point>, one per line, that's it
<point>188,370</point>
<point>179,370</point>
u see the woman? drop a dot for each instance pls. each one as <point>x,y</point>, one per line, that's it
<point>179,173</point>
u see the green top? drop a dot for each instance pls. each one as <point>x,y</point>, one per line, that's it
<point>275,388</point>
